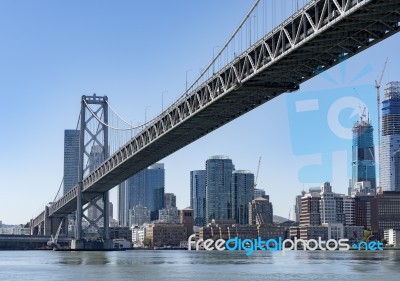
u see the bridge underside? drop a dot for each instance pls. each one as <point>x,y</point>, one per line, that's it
<point>298,50</point>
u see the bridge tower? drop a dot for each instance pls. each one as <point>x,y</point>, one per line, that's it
<point>93,150</point>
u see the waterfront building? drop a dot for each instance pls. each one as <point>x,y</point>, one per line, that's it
<point>385,212</point>
<point>166,235</point>
<point>120,233</point>
<point>218,188</point>
<point>363,153</point>
<point>186,219</point>
<point>329,231</point>
<point>139,215</point>
<point>260,212</point>
<point>392,236</point>
<point>390,139</point>
<point>198,196</point>
<point>353,233</point>
<point>71,159</point>
<point>216,231</point>
<point>242,192</point>
<point>363,210</point>
<point>15,230</point>
<point>138,235</point>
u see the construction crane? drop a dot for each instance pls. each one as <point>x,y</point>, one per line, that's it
<point>363,111</point>
<point>258,170</point>
<point>53,240</point>
<point>378,99</point>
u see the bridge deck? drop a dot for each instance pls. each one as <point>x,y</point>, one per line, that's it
<point>313,40</point>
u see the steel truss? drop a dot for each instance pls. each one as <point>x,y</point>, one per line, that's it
<point>314,39</point>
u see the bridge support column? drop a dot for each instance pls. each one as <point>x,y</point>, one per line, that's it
<point>78,226</point>
<point>46,223</point>
<point>92,208</point>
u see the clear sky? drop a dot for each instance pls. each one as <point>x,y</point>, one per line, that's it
<point>53,52</point>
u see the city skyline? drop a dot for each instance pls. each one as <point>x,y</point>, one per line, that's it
<point>58,68</point>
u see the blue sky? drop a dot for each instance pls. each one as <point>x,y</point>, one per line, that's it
<point>53,52</point>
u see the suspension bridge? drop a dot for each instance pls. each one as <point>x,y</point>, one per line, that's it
<point>316,37</point>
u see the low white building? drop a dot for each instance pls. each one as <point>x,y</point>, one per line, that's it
<point>15,230</point>
<point>335,230</point>
<point>392,236</point>
<point>138,235</point>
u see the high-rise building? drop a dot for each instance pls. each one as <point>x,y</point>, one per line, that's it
<point>123,209</point>
<point>310,210</point>
<point>169,200</point>
<point>242,192</point>
<point>258,192</point>
<point>139,215</point>
<point>390,139</point>
<point>218,185</point>
<point>71,159</point>
<point>363,154</point>
<point>168,215</point>
<point>260,212</point>
<point>198,196</point>
<point>363,210</point>
<point>145,188</point>
<point>322,206</point>
<point>297,206</point>
<point>111,209</point>
<point>349,210</point>
<point>327,204</point>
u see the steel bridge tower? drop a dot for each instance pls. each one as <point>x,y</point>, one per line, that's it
<point>93,150</point>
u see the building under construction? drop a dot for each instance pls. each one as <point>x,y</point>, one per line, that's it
<point>363,155</point>
<point>390,141</point>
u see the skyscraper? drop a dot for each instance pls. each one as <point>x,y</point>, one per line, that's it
<point>169,200</point>
<point>327,204</point>
<point>123,209</point>
<point>71,159</point>
<point>390,143</point>
<point>363,155</point>
<point>260,212</point>
<point>145,188</point>
<point>242,192</point>
<point>154,185</point>
<point>198,196</point>
<point>218,185</point>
